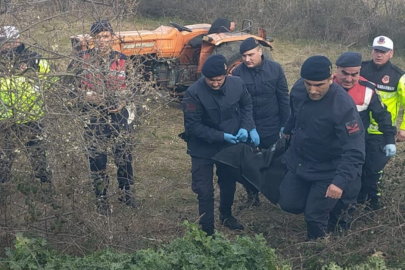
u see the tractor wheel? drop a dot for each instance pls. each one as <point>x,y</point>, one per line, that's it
<point>231,52</point>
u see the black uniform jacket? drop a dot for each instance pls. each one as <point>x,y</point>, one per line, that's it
<point>327,136</point>
<point>208,114</point>
<point>21,55</point>
<point>268,88</point>
<point>375,106</point>
<point>386,77</point>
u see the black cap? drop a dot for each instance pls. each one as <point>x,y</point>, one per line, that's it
<point>316,68</point>
<point>220,25</point>
<point>101,26</point>
<point>214,66</point>
<point>248,44</point>
<point>349,59</point>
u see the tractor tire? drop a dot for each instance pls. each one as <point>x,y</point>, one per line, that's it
<point>231,52</point>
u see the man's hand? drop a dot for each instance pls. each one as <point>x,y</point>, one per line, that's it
<point>401,135</point>
<point>254,136</point>
<point>333,192</point>
<point>118,109</point>
<point>230,138</point>
<point>242,135</point>
<point>94,98</point>
<point>390,150</point>
<point>281,132</point>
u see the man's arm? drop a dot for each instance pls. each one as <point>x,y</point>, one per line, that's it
<point>283,98</point>
<point>193,114</point>
<point>383,118</point>
<point>120,83</point>
<point>289,126</point>
<point>401,101</point>
<point>350,131</point>
<point>246,114</point>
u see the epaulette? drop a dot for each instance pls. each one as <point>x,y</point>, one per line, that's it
<point>368,84</point>
<point>363,63</point>
<point>397,69</point>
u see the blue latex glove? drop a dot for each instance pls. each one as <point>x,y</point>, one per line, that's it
<point>281,132</point>
<point>390,150</point>
<point>242,135</point>
<point>254,136</point>
<point>230,138</point>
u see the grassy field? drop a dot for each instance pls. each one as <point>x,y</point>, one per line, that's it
<point>163,186</point>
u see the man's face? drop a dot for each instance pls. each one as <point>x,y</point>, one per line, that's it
<point>103,41</point>
<point>348,77</point>
<point>317,89</point>
<point>10,44</point>
<point>216,82</point>
<point>380,58</point>
<point>253,58</point>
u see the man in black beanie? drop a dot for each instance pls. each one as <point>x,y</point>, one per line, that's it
<point>217,114</point>
<point>267,85</point>
<point>327,150</point>
<point>221,25</point>
<point>102,94</point>
<point>379,147</point>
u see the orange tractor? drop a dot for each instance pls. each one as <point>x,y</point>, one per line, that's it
<point>169,56</point>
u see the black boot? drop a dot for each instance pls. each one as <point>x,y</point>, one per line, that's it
<point>374,205</point>
<point>100,184</point>
<point>102,206</point>
<point>252,201</point>
<point>209,230</point>
<point>129,199</point>
<point>231,222</point>
<point>47,192</point>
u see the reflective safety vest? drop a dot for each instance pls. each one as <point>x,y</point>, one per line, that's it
<point>21,98</point>
<point>390,83</point>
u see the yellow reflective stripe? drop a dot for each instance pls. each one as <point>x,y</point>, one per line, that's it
<point>401,94</point>
<point>44,67</point>
<point>19,99</point>
<point>392,100</point>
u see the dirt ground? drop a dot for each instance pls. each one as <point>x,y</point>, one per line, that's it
<point>163,180</point>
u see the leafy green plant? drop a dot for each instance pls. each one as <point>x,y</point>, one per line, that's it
<point>193,251</point>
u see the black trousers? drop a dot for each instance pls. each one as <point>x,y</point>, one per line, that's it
<point>298,195</point>
<point>28,136</point>
<point>202,184</point>
<point>265,143</point>
<point>373,167</point>
<point>103,132</point>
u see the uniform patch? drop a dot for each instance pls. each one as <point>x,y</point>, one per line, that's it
<point>386,79</point>
<point>381,40</point>
<point>191,107</point>
<point>353,127</point>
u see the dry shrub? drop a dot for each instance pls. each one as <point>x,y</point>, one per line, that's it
<point>346,21</point>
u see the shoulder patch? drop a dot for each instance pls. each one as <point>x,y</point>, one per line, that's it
<point>353,127</point>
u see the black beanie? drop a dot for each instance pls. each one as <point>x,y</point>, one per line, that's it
<point>316,68</point>
<point>101,26</point>
<point>214,66</point>
<point>248,44</point>
<point>220,25</point>
<point>349,59</point>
